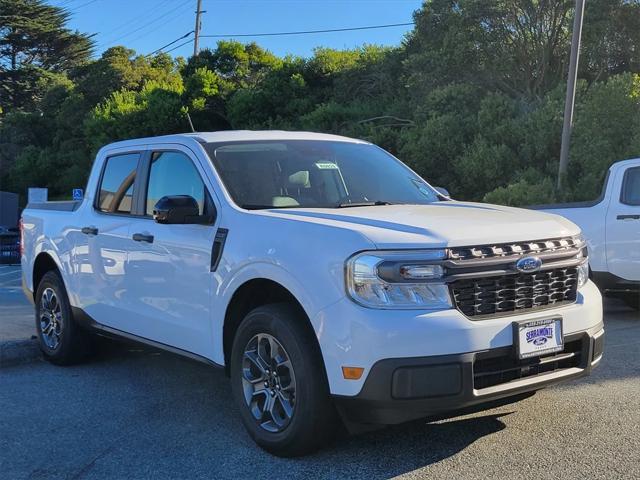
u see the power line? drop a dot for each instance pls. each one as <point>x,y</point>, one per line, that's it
<point>270,34</point>
<point>171,19</point>
<point>134,20</point>
<point>170,43</point>
<point>306,32</point>
<point>86,4</point>
<point>181,5</point>
<point>64,3</point>
<point>178,46</point>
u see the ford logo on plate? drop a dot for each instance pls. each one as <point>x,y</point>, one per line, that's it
<point>528,264</point>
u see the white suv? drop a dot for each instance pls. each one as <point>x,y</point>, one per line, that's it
<point>330,280</point>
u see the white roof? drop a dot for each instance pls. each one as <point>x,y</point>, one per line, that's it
<point>243,135</point>
<point>238,135</point>
<point>625,163</point>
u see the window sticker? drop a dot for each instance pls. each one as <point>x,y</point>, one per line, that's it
<point>327,166</point>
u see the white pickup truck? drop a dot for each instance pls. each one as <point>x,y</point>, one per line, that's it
<point>331,281</point>
<point>611,226</point>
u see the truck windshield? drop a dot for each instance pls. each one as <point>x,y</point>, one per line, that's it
<point>315,174</point>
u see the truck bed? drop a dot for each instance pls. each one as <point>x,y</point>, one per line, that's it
<point>557,206</point>
<point>60,206</point>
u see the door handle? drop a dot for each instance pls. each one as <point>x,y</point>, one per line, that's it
<point>89,230</point>
<point>142,237</point>
<point>628,217</point>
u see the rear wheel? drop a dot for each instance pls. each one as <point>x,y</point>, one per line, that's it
<point>279,382</point>
<point>61,341</point>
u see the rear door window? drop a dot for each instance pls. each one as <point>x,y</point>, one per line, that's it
<point>115,194</point>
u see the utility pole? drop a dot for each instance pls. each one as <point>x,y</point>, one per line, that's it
<point>196,41</point>
<point>571,91</point>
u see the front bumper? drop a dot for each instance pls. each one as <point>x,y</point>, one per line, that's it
<point>402,389</point>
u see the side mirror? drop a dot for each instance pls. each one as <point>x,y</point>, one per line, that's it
<point>442,191</point>
<point>177,209</point>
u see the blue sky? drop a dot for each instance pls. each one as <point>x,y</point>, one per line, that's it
<point>146,25</point>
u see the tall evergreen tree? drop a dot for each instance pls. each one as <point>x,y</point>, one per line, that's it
<point>35,42</point>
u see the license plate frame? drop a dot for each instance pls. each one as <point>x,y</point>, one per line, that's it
<point>534,338</point>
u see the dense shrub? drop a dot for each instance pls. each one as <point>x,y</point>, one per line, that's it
<point>470,100</point>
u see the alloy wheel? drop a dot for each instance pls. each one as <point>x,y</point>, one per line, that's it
<point>268,382</point>
<point>51,321</point>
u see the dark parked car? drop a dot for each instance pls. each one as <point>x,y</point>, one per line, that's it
<point>9,245</point>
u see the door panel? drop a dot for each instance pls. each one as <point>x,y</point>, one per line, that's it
<point>169,278</point>
<point>100,253</point>
<point>169,285</point>
<point>623,225</point>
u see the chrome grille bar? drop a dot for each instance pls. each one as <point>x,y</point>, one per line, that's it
<point>502,250</point>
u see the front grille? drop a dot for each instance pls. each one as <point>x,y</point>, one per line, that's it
<point>488,372</point>
<point>512,293</point>
<point>513,249</point>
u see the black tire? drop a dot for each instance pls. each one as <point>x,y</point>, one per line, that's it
<point>314,420</point>
<point>65,343</point>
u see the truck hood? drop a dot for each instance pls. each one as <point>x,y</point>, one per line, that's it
<point>441,224</point>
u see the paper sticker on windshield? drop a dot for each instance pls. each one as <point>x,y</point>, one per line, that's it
<point>422,189</point>
<point>327,166</point>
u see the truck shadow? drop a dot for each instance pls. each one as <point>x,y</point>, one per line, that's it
<point>404,448</point>
<point>172,398</point>
<point>205,398</point>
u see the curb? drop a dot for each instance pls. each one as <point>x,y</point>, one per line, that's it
<point>16,352</point>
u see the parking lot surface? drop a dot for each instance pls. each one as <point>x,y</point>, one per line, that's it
<point>138,413</point>
<point>16,315</point>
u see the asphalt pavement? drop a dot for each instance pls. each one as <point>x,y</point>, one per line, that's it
<point>16,315</point>
<point>138,413</point>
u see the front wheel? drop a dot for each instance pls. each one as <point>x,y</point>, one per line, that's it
<point>279,382</point>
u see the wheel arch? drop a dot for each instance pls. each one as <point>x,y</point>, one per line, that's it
<point>43,263</point>
<point>251,294</point>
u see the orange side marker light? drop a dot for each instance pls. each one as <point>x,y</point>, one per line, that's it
<point>352,373</point>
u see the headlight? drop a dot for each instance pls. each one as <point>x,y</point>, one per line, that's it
<point>583,268</point>
<point>403,280</point>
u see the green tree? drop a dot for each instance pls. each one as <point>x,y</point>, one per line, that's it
<point>607,129</point>
<point>157,109</point>
<point>278,101</point>
<point>120,68</point>
<point>517,46</point>
<point>238,65</point>
<point>34,40</point>
<point>204,100</point>
<point>472,99</point>
<point>610,39</point>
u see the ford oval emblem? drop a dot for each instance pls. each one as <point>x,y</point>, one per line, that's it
<point>528,264</point>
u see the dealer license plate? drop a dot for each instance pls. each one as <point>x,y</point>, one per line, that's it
<point>538,337</point>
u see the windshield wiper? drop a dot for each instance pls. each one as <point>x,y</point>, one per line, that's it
<point>251,206</point>
<point>363,204</point>
<point>256,206</point>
